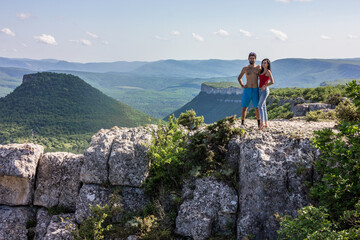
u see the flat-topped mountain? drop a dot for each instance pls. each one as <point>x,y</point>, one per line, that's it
<point>53,104</point>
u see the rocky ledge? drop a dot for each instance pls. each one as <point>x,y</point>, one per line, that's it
<point>273,167</point>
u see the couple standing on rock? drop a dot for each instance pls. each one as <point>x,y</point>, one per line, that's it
<point>256,89</point>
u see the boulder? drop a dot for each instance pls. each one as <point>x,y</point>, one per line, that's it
<point>319,106</point>
<point>95,167</point>
<point>18,164</point>
<point>301,110</point>
<point>61,227</point>
<point>13,222</point>
<point>58,180</point>
<point>128,163</point>
<point>209,209</point>
<point>273,169</point>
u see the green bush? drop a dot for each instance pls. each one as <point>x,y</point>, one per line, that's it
<point>346,111</point>
<point>333,99</point>
<point>338,191</point>
<point>190,120</point>
<point>313,224</point>
<point>175,155</point>
<point>319,115</point>
<point>166,152</point>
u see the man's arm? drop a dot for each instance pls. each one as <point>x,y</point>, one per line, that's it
<point>240,76</point>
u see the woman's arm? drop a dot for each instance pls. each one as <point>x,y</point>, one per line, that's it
<point>271,79</point>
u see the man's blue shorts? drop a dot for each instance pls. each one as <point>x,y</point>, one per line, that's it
<point>250,94</point>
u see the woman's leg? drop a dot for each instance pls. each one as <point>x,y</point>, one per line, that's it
<point>262,103</point>
<point>267,92</point>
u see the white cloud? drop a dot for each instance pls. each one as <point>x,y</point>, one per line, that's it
<point>24,45</point>
<point>324,37</point>
<point>245,33</point>
<point>198,37</point>
<point>105,42</point>
<point>93,35</point>
<point>47,39</point>
<point>175,33</point>
<point>23,16</point>
<point>350,36</point>
<point>222,33</point>
<point>279,35</point>
<point>7,31</point>
<point>161,38</point>
<point>83,42</point>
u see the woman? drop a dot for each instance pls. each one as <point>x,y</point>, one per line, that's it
<point>265,76</point>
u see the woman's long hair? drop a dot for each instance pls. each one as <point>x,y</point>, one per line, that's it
<point>269,65</point>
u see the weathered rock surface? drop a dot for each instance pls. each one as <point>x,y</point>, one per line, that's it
<point>210,208</point>
<point>301,110</point>
<point>95,167</point>
<point>58,180</point>
<point>61,227</point>
<point>18,164</point>
<point>13,221</point>
<point>117,155</point>
<point>273,167</point>
<point>90,195</point>
<point>128,163</point>
<point>129,199</point>
<point>320,106</point>
<point>43,219</point>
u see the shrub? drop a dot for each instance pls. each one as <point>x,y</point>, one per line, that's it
<point>346,111</point>
<point>333,99</point>
<point>319,115</point>
<point>338,190</point>
<point>190,120</point>
<point>175,155</point>
<point>313,224</point>
<point>166,152</point>
<point>339,165</point>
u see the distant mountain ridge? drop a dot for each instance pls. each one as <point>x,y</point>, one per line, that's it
<point>159,88</point>
<point>52,64</point>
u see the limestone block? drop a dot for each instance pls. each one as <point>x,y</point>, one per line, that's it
<point>212,207</point>
<point>95,167</point>
<point>129,199</point>
<point>13,221</point>
<point>271,181</point>
<point>18,164</point>
<point>43,219</point>
<point>128,163</point>
<point>61,227</point>
<point>58,180</point>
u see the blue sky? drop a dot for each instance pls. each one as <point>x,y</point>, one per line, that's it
<point>144,30</point>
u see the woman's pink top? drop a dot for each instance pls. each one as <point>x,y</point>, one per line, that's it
<point>263,80</point>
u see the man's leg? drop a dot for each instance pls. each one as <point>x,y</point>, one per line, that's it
<point>257,112</point>
<point>243,115</point>
<point>255,100</point>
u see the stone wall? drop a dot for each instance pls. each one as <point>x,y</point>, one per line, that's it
<point>268,164</point>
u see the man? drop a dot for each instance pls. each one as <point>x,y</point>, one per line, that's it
<point>251,90</point>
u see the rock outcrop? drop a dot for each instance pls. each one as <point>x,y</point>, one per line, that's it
<point>223,91</point>
<point>58,180</point>
<point>208,209</point>
<point>18,164</point>
<point>13,222</point>
<point>272,167</point>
